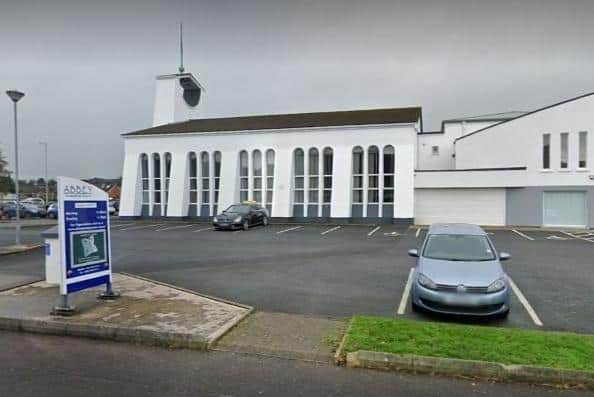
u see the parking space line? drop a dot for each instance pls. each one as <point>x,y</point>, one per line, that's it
<point>201,230</point>
<point>525,302</point>
<point>578,237</point>
<point>174,227</point>
<point>289,229</point>
<point>523,235</point>
<point>373,231</point>
<point>406,293</point>
<point>142,226</point>
<point>330,230</point>
<point>121,224</point>
<point>418,232</point>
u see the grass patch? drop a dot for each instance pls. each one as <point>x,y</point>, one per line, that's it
<point>503,345</point>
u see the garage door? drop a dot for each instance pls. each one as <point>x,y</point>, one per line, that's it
<point>564,209</point>
<point>480,206</point>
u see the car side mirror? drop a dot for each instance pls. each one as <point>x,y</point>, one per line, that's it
<point>504,256</point>
<point>414,253</point>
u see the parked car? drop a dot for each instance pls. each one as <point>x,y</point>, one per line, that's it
<point>459,272</point>
<point>52,211</point>
<point>25,211</point>
<point>112,207</point>
<point>36,201</point>
<point>241,216</point>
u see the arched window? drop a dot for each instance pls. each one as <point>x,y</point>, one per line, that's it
<point>269,179</point>
<point>193,174</point>
<point>205,184</point>
<point>358,174</point>
<point>327,188</point>
<point>389,167</point>
<point>373,178</point>
<point>257,176</point>
<point>217,179</point>
<point>167,158</point>
<point>314,180</point>
<point>243,176</point>
<point>298,182</point>
<point>144,180</point>
<point>156,184</point>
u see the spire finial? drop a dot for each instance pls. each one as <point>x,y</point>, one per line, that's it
<point>181,47</point>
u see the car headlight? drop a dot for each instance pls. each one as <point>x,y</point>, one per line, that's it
<point>496,285</point>
<point>426,281</point>
<point>215,219</point>
<point>237,220</point>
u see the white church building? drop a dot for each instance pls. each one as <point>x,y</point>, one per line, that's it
<point>376,166</point>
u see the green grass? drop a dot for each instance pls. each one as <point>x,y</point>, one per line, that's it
<point>503,345</point>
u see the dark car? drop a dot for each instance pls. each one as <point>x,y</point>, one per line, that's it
<point>241,216</point>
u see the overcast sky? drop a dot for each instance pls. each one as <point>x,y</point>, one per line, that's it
<point>88,67</point>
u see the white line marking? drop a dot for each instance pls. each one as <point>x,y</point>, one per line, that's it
<point>289,229</point>
<point>578,237</point>
<point>406,292</point>
<point>173,227</point>
<point>522,234</point>
<point>143,226</point>
<point>418,232</point>
<point>238,231</point>
<point>201,230</point>
<point>121,224</point>
<point>330,230</point>
<point>373,231</point>
<point>525,303</point>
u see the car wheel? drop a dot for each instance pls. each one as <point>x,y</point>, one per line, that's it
<point>245,225</point>
<point>503,315</point>
<point>265,221</point>
<point>416,308</point>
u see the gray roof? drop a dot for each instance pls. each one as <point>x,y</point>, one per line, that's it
<point>285,121</point>
<point>456,228</point>
<point>489,117</point>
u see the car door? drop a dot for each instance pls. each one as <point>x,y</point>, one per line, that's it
<point>257,214</point>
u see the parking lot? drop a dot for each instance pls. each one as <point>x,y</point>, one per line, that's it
<point>338,271</point>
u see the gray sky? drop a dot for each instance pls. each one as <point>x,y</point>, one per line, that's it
<point>88,67</point>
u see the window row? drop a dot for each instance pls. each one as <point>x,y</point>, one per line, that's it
<point>582,150</point>
<point>312,185</point>
<point>204,180</point>
<point>253,184</point>
<point>373,183</point>
<point>155,186</point>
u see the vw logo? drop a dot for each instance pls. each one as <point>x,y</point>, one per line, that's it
<point>461,288</point>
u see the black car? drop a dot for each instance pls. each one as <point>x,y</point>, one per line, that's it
<point>241,216</point>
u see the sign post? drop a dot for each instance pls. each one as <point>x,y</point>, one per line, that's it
<point>85,258</point>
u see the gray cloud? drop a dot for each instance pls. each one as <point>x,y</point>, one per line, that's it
<point>88,68</point>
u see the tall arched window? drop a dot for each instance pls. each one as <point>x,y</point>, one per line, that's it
<point>373,174</point>
<point>167,158</point>
<point>144,178</point>
<point>388,194</point>
<point>358,175</point>
<point>313,196</point>
<point>156,184</point>
<point>298,183</point>
<point>269,179</point>
<point>243,176</point>
<point>193,174</point>
<point>327,187</point>
<point>204,184</point>
<point>257,176</point>
<point>217,180</point>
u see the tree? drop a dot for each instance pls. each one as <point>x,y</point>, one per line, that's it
<point>6,184</point>
<point>3,165</point>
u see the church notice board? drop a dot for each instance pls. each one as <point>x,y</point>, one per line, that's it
<point>83,214</point>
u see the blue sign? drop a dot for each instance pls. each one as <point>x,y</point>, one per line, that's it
<point>84,236</point>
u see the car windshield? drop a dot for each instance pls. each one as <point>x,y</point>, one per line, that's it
<point>238,209</point>
<point>458,247</point>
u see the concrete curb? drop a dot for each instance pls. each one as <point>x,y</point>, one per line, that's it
<point>339,356</point>
<point>106,332</point>
<point>519,228</point>
<point>471,368</point>
<point>19,250</point>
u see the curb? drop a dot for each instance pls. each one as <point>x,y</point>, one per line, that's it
<point>339,357</point>
<point>471,368</point>
<point>20,250</point>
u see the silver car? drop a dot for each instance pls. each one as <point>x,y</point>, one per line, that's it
<point>459,272</point>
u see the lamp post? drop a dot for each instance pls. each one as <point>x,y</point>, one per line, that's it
<point>15,96</point>
<point>45,166</point>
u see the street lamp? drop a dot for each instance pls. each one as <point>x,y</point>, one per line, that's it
<point>45,165</point>
<point>16,96</point>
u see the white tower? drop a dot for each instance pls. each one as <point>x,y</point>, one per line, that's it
<point>178,97</point>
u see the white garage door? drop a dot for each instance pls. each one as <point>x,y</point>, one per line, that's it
<point>564,209</point>
<point>480,206</point>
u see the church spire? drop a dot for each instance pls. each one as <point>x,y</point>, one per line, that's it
<point>181,47</point>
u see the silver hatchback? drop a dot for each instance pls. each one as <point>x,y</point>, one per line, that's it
<point>459,272</point>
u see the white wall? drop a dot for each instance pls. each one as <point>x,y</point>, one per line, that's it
<point>284,142</point>
<point>519,143</point>
<point>170,106</point>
